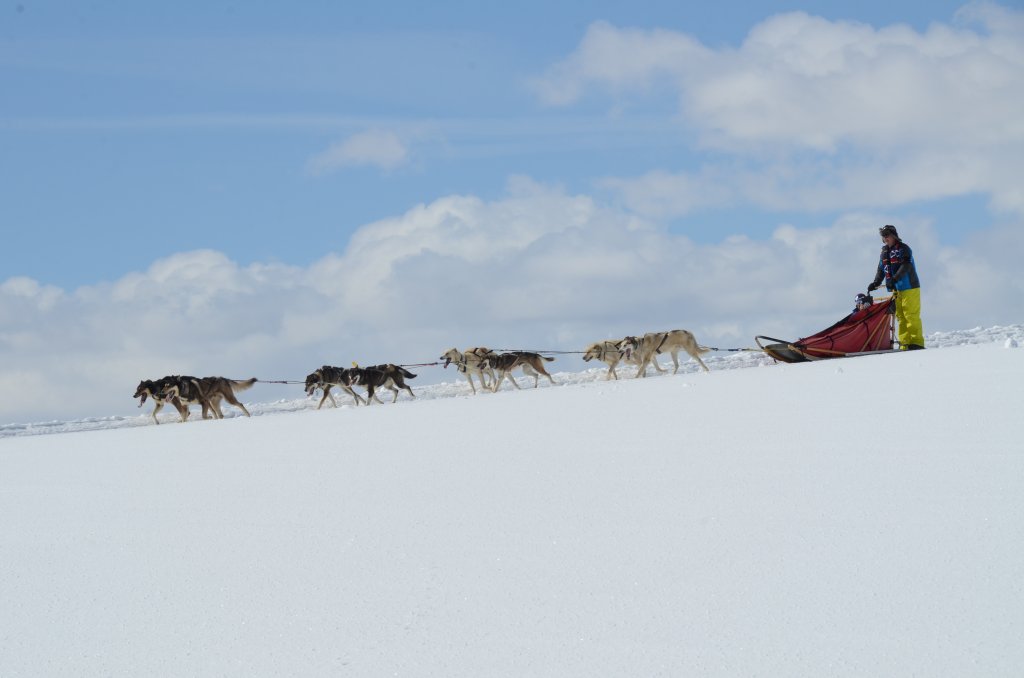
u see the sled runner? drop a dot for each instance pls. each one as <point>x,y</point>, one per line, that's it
<point>860,333</point>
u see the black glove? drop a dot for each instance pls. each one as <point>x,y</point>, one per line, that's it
<point>872,287</point>
<point>889,287</point>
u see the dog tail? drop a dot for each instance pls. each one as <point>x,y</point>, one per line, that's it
<point>242,385</point>
<point>406,373</point>
<point>704,349</point>
<point>548,358</point>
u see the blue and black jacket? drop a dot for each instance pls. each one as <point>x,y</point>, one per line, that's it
<point>896,267</point>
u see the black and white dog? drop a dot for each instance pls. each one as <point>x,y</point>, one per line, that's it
<point>389,376</point>
<point>149,388</point>
<point>207,392</point>
<point>328,376</point>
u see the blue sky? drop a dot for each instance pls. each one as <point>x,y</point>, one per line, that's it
<point>212,161</point>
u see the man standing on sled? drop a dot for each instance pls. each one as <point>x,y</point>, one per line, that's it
<point>896,268</point>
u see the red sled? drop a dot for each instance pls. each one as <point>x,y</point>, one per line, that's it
<point>865,332</point>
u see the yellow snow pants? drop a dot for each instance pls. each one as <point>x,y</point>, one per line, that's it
<point>908,314</point>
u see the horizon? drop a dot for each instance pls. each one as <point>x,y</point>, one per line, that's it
<point>274,396</point>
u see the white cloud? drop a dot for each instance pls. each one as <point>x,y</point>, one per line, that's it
<point>811,83</point>
<point>373,148</point>
<point>539,268</point>
<point>662,194</point>
<point>30,293</point>
<point>824,182</point>
<point>824,114</point>
<point>620,59</point>
<point>814,83</point>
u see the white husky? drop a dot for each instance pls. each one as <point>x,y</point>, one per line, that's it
<point>471,361</point>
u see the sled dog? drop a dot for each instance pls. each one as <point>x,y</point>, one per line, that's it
<point>149,388</point>
<point>609,353</point>
<point>208,392</point>
<point>326,377</point>
<point>646,348</point>
<point>532,365</point>
<point>470,362</point>
<point>391,377</point>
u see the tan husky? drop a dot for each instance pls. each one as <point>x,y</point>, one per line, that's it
<point>610,354</point>
<point>646,348</point>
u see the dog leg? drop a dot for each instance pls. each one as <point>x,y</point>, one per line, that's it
<point>182,408</point>
<point>215,406</point>
<point>540,368</point>
<point>469,377</point>
<point>355,396</point>
<point>697,358</point>
<point>612,363</point>
<point>535,371</point>
<point>230,397</point>
<point>371,394</point>
<point>675,361</point>
<point>325,396</point>
<point>156,408</point>
<point>399,384</point>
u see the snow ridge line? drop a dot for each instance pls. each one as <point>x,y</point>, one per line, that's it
<point>459,387</point>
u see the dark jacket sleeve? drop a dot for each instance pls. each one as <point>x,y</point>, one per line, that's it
<point>880,271</point>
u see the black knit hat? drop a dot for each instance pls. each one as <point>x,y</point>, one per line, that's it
<point>888,229</point>
<point>864,299</point>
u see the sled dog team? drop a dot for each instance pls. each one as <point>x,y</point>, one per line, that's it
<point>489,367</point>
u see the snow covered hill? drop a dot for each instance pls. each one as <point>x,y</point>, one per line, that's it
<point>860,517</point>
